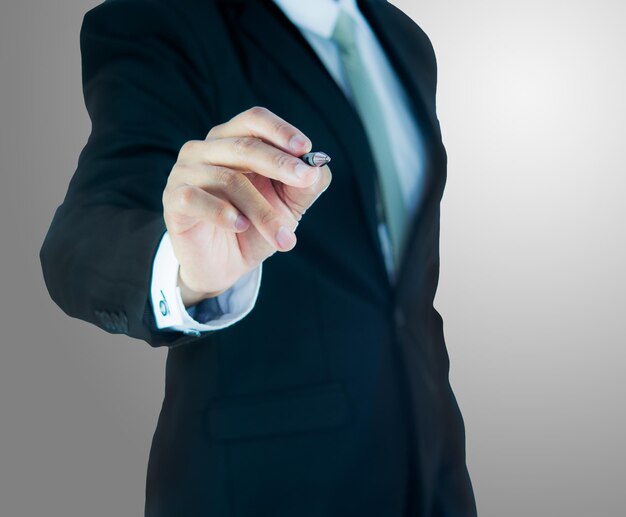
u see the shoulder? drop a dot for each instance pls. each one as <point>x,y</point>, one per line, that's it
<point>184,26</point>
<point>150,13</point>
<point>144,39</point>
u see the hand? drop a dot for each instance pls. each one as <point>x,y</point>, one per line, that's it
<point>235,198</point>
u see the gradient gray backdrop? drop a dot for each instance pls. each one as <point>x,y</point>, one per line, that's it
<point>532,287</point>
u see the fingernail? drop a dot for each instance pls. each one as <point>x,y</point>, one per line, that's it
<point>297,142</point>
<point>242,222</point>
<point>285,238</point>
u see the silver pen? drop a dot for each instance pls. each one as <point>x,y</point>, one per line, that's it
<point>315,158</point>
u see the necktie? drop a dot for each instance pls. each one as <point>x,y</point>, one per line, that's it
<point>371,113</point>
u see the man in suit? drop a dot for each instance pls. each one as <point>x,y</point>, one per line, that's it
<point>306,379</point>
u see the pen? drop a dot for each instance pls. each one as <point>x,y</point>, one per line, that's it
<point>315,158</point>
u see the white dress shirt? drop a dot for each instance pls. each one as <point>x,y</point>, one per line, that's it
<point>316,21</point>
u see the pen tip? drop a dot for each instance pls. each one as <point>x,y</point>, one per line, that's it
<point>320,159</point>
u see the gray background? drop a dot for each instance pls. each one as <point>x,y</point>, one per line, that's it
<point>532,287</point>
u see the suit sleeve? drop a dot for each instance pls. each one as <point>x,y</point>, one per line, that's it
<point>147,91</point>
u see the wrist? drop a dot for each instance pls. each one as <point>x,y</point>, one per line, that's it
<point>190,296</point>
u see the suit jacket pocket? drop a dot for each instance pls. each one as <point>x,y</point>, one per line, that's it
<point>272,413</point>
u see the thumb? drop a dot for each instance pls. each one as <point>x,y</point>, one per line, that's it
<point>300,199</point>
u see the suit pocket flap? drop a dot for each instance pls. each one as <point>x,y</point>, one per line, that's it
<point>313,407</point>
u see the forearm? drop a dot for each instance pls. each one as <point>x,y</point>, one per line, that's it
<point>99,249</point>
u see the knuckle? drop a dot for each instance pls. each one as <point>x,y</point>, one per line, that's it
<point>184,197</point>
<point>282,160</point>
<point>166,197</point>
<point>214,130</point>
<point>222,213</point>
<point>257,111</point>
<point>237,181</point>
<point>223,177</point>
<point>299,210</point>
<point>243,144</point>
<point>267,215</point>
<point>190,147</point>
<point>280,126</point>
<point>181,169</point>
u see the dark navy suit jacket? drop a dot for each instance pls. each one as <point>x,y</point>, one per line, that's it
<point>331,398</point>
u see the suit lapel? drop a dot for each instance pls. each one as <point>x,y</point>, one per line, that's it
<point>266,24</point>
<point>407,48</point>
<point>410,53</point>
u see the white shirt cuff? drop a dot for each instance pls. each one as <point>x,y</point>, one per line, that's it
<point>167,303</point>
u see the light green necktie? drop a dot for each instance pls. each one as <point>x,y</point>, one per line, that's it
<point>370,110</point>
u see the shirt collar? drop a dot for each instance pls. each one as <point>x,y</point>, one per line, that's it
<point>318,16</point>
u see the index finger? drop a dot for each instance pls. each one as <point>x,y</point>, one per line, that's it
<point>266,125</point>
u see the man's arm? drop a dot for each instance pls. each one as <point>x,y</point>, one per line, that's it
<point>141,84</point>
<point>150,166</point>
